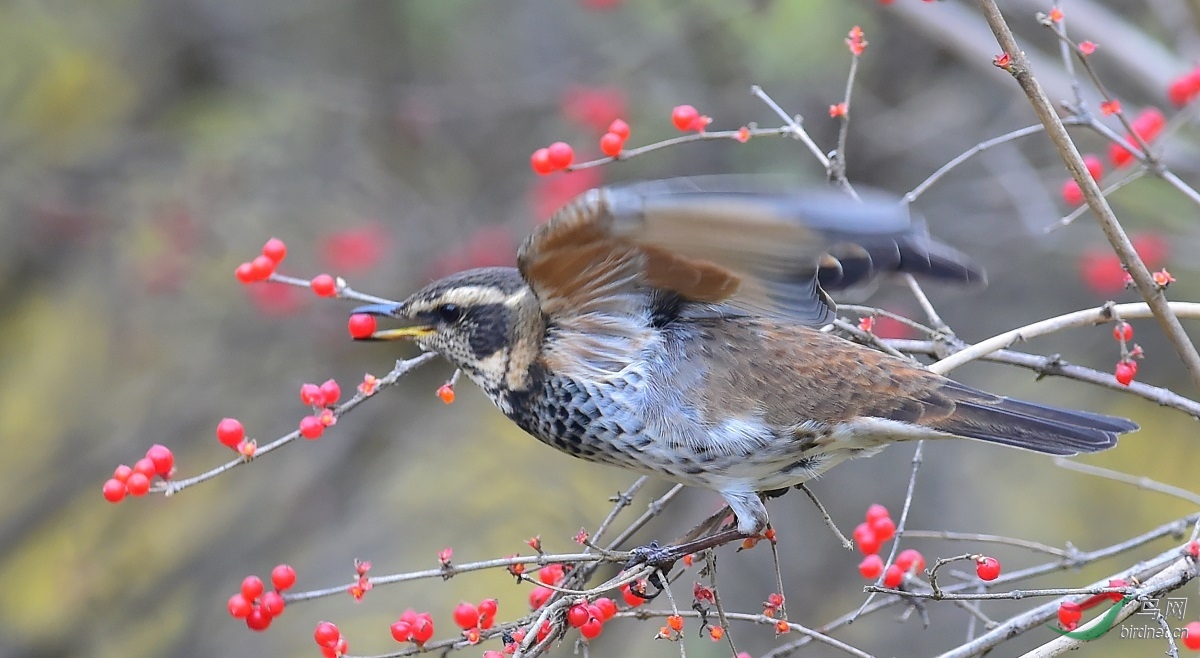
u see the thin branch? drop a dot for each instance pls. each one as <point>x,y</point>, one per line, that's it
<point>171,487</point>
<point>1141,482</point>
<point>1077,319</point>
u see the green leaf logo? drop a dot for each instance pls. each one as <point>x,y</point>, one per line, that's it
<point>1105,625</point>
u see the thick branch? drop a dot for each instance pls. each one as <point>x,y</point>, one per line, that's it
<point>1091,191</point>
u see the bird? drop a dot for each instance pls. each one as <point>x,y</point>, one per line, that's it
<point>672,328</point>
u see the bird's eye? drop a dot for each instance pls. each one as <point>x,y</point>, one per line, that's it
<point>449,313</point>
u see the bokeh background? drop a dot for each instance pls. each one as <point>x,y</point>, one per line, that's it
<point>149,146</point>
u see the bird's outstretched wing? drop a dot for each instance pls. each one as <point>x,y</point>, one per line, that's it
<point>724,239</point>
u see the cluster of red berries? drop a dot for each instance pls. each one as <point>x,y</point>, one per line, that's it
<point>330,639</point>
<point>1127,367</point>
<point>263,265</point>
<point>1103,272</point>
<point>135,481</point>
<point>258,607</point>
<point>589,618</point>
<point>613,141</point>
<point>1147,125</point>
<point>688,119</point>
<point>551,574</point>
<point>320,398</point>
<point>1070,190</point>
<point>873,532</point>
<point>413,627</point>
<point>475,618</point>
<point>556,157</point>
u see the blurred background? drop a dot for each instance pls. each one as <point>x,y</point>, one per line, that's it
<point>149,146</point>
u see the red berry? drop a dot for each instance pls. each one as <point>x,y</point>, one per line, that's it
<point>275,249</point>
<point>487,608</point>
<point>884,528</point>
<point>324,285</point>
<point>544,631</point>
<point>1149,123</point>
<point>684,117</point>
<point>1069,614</point>
<point>326,634</point>
<point>910,559</point>
<point>311,395</point>
<point>138,484</point>
<point>551,574</point>
<point>145,467</point>
<point>1119,155</point>
<point>252,586</point>
<point>361,325</point>
<point>1123,331</point>
<point>1071,193</point>
<point>619,128</point>
<point>1182,90</point>
<point>561,155</point>
<point>162,458</point>
<point>338,650</point>
<point>611,144</point>
<point>230,432</point>
<point>311,427</point>
<point>540,161</point>
<point>631,598</point>
<point>1095,166</point>
<point>877,511</point>
<point>893,577</point>
<point>1191,636</point>
<point>273,603</point>
<point>238,606</point>
<point>402,631</point>
<point>578,615</point>
<point>1125,372</point>
<point>114,490</point>
<point>445,393</point>
<point>871,567</point>
<point>283,577</point>
<point>987,568</point>
<point>258,619</point>
<point>675,622</point>
<point>422,628</point>
<point>331,392</point>
<point>538,597</point>
<point>122,473</point>
<point>608,608</point>
<point>591,629</point>
<point>245,273</point>
<point>865,539</point>
<point>262,267</point>
<point>466,615</point>
<point>1193,549</point>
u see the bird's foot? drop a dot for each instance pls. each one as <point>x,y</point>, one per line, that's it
<point>664,557</point>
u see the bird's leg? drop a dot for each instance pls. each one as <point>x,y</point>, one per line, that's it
<point>706,526</point>
<point>751,517</point>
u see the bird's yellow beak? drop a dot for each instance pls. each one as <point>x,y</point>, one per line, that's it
<point>414,332</point>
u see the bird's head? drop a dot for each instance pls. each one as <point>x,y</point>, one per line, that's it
<point>482,320</point>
